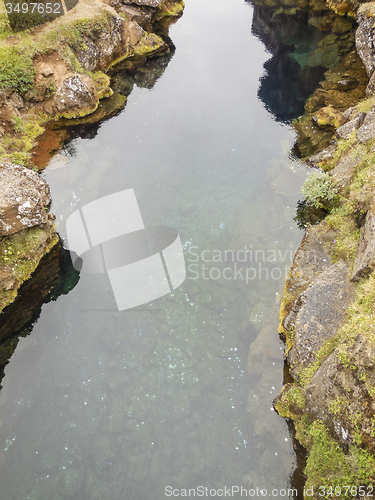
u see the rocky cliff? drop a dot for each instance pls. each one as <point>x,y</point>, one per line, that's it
<point>327,312</point>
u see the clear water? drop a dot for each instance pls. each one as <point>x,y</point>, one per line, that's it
<point>109,405</point>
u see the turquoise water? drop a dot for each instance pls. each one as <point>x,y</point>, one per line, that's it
<point>102,404</point>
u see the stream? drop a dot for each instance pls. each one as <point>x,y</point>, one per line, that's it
<point>176,393</point>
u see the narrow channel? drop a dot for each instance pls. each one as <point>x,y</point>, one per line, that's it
<point>101,404</point>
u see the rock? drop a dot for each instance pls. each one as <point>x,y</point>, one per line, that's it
<point>76,96</point>
<point>367,129</point>
<point>350,113</point>
<point>364,261</point>
<point>347,84</point>
<point>341,25</point>
<point>23,196</point>
<point>365,36</point>
<point>312,257</point>
<point>345,169</point>
<point>140,16</point>
<point>338,396</point>
<point>349,127</point>
<point>45,69</point>
<point>16,101</point>
<point>318,313</point>
<point>370,89</point>
<point>324,156</point>
<point>135,32</point>
<point>98,50</point>
<point>328,117</point>
<point>148,3</point>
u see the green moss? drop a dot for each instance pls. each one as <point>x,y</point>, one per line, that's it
<point>17,71</point>
<point>346,234</point>
<point>328,465</point>
<point>148,44</point>
<point>170,9</point>
<point>366,104</point>
<point>20,253</point>
<point>291,402</point>
<point>4,20</point>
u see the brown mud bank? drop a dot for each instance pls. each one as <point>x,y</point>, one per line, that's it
<point>327,315</point>
<point>54,76</point>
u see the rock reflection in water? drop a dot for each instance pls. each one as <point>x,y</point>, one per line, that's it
<point>305,40</point>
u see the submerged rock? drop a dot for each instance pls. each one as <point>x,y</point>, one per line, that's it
<point>23,198</point>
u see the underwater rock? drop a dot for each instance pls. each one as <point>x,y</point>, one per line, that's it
<point>317,314</point>
<point>365,257</point>
<point>23,196</point>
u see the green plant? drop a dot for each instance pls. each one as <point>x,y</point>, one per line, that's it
<point>17,70</point>
<point>319,189</point>
<point>17,124</point>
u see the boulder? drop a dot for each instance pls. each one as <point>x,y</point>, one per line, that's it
<point>367,130</point>
<point>76,96</point>
<point>23,196</point>
<point>349,127</point>
<point>328,117</point>
<point>99,49</point>
<point>317,314</point>
<point>364,261</point>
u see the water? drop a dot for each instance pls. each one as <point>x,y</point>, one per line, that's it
<point>102,404</point>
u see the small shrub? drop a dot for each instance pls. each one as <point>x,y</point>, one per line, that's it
<point>319,189</point>
<point>17,71</point>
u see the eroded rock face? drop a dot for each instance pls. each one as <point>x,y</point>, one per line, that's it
<point>338,396</point>
<point>344,170</point>
<point>367,129</point>
<point>365,36</point>
<point>97,51</point>
<point>365,257</point>
<point>311,258</point>
<point>349,127</point>
<point>318,313</point>
<point>23,196</point>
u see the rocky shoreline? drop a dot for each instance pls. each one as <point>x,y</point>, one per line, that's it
<point>327,310</point>
<point>56,71</point>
